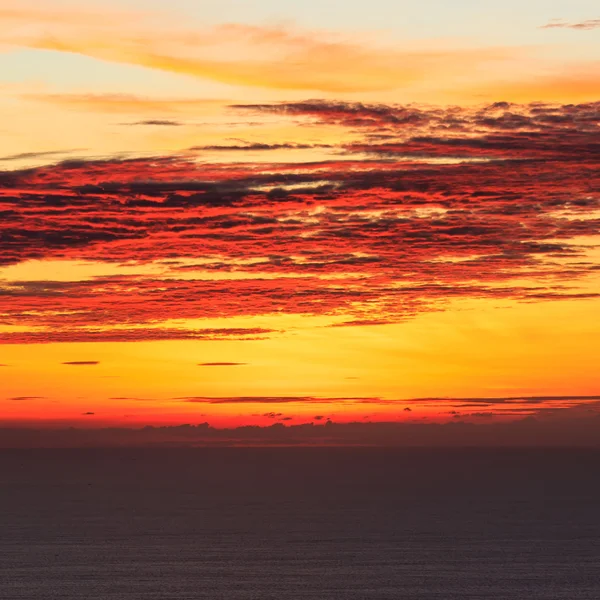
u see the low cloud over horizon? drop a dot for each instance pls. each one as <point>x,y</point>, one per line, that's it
<point>527,432</point>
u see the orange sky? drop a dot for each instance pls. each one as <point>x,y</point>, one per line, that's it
<point>187,237</point>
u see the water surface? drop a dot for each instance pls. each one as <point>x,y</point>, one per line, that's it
<point>287,524</point>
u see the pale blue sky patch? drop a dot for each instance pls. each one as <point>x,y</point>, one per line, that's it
<point>514,21</point>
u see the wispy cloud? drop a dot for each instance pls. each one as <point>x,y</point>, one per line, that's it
<point>158,123</point>
<point>588,24</point>
<point>126,104</point>
<point>221,364</point>
<point>266,56</point>
<point>256,146</point>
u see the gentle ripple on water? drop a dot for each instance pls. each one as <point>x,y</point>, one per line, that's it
<point>286,524</point>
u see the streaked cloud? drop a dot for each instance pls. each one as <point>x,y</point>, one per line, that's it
<point>29,155</point>
<point>275,400</point>
<point>497,202</point>
<point>126,104</point>
<point>158,123</point>
<point>588,24</point>
<point>81,363</point>
<point>221,364</point>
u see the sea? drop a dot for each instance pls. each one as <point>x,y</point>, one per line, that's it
<point>300,523</point>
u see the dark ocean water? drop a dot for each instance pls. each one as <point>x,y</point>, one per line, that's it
<point>348,524</point>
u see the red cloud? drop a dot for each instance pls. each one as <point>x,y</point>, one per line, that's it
<point>379,240</point>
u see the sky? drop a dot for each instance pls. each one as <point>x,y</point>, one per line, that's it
<point>270,220</point>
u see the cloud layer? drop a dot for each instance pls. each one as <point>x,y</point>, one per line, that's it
<point>426,206</point>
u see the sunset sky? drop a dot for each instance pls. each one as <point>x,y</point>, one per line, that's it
<point>263,212</point>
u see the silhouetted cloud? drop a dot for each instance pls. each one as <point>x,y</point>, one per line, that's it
<point>272,399</point>
<point>25,398</point>
<point>474,401</point>
<point>88,414</point>
<point>81,363</point>
<point>31,155</point>
<point>491,407</point>
<point>582,432</point>
<point>273,415</point>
